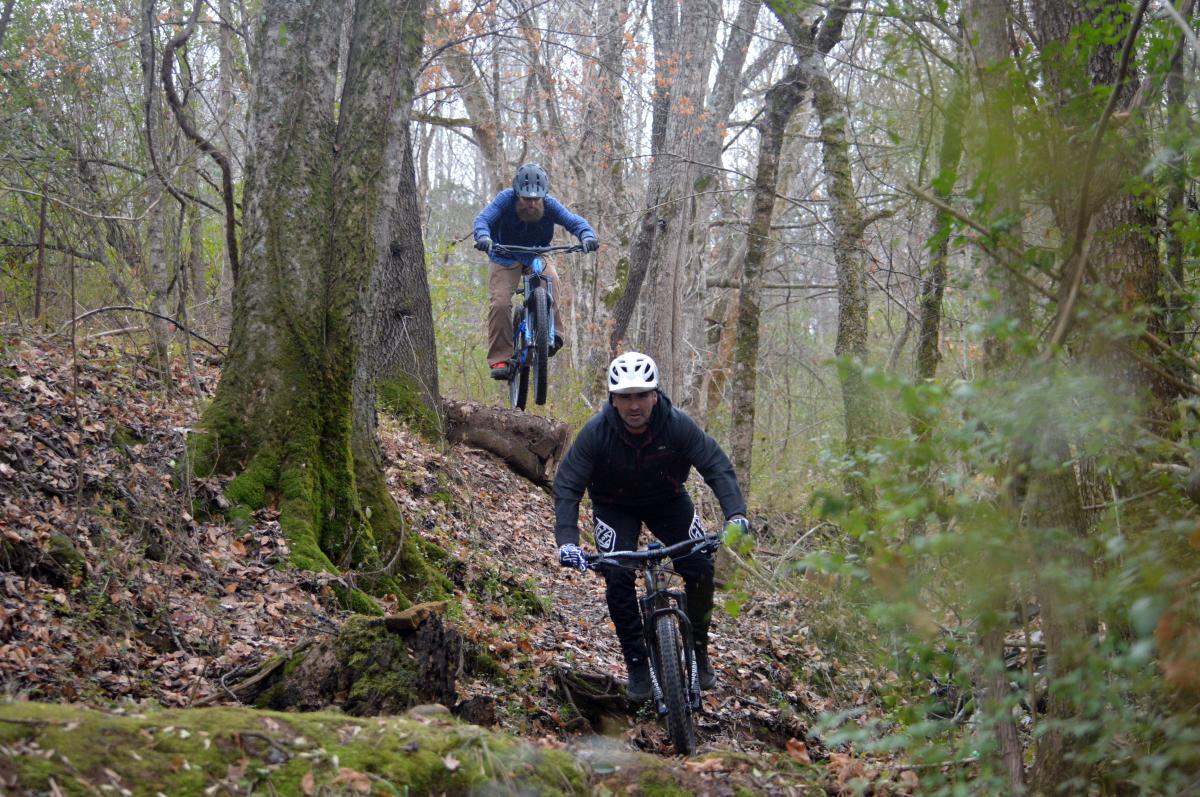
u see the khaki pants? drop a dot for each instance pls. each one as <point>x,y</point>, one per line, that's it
<point>501,284</point>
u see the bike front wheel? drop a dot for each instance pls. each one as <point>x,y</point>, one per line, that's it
<point>541,343</point>
<point>673,679</point>
<point>518,381</point>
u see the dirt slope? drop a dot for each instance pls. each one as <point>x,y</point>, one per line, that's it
<point>115,584</point>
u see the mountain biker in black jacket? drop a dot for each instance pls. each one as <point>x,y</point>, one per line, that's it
<point>633,458</point>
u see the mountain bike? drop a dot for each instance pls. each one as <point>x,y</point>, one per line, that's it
<point>674,677</point>
<point>533,324</point>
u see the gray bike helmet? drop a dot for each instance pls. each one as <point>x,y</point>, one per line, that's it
<point>531,181</point>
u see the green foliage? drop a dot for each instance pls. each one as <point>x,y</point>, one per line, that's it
<point>954,548</point>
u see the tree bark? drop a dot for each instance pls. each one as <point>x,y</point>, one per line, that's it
<point>1107,230</point>
<point>781,102</point>
<point>934,285</point>
<point>316,199</point>
<point>683,40</point>
<point>40,273</point>
<point>5,16</point>
<point>398,365</point>
<point>156,269</point>
<point>1058,529</point>
<point>675,252</point>
<point>986,23</point>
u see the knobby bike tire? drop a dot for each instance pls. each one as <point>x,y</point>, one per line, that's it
<point>541,343</point>
<point>673,680</point>
<point>518,382</point>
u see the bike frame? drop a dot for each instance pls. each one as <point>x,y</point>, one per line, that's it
<point>531,278</point>
<point>658,599</point>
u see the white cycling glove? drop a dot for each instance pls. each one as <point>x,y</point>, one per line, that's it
<point>572,556</point>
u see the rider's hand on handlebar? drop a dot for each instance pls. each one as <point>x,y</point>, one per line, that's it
<point>737,526</point>
<point>572,556</point>
<point>590,244</point>
<point>483,243</point>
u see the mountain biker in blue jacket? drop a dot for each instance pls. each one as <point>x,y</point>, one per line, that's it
<point>633,458</point>
<point>523,215</point>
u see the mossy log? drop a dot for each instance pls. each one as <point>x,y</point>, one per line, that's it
<point>529,444</point>
<point>75,750</point>
<point>372,666</point>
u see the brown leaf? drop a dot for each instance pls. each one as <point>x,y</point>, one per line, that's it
<point>798,751</point>
<point>308,784</point>
<point>707,765</point>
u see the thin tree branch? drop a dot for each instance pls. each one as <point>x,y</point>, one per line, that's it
<point>205,145</point>
<point>131,309</point>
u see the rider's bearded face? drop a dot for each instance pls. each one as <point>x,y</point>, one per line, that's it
<point>530,209</point>
<point>635,409</point>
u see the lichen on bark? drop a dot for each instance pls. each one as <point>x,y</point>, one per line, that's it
<point>283,419</point>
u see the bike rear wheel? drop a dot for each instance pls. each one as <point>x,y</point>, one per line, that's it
<point>673,681</point>
<point>518,381</point>
<point>541,343</point>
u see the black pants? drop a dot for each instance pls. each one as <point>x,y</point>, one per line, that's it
<point>618,529</point>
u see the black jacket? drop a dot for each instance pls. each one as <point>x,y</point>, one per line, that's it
<point>628,470</point>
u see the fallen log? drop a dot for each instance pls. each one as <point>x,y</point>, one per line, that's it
<point>531,445</point>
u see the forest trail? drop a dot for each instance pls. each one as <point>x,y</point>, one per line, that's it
<point>172,607</point>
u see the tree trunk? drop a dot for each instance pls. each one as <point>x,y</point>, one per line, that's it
<point>674,290</point>
<point>398,365</point>
<point>1058,527</point>
<point>683,40</point>
<point>155,269</point>
<point>226,135</point>
<point>484,122</point>
<point>1107,229</point>
<point>5,16</point>
<point>934,285</point>
<point>316,199</point>
<point>372,666</point>
<point>40,273</point>
<point>781,102</point>
<point>986,23</point>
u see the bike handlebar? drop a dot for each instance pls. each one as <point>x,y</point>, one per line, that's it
<point>709,542</point>
<point>502,249</point>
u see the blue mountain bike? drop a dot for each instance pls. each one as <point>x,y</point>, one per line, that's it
<point>533,325</point>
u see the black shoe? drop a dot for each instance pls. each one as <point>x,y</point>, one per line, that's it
<point>556,345</point>
<point>502,370</point>
<point>708,676</point>
<point>639,680</point>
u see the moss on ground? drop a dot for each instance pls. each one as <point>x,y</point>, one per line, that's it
<point>74,750</point>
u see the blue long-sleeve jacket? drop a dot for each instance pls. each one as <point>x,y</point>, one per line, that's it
<point>499,222</point>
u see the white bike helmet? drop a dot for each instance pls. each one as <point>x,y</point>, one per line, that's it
<point>632,372</point>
